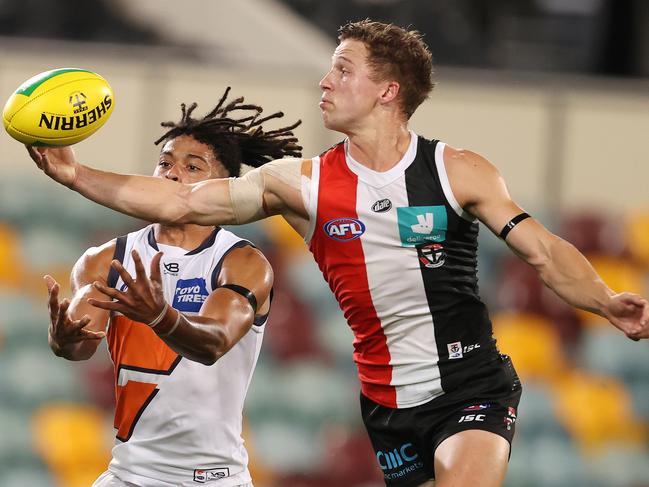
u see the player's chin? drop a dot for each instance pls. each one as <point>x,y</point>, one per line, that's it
<point>330,122</point>
<point>325,116</point>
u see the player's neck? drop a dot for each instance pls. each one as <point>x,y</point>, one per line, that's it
<point>379,146</point>
<point>187,237</point>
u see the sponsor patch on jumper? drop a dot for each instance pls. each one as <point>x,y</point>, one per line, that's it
<point>382,206</point>
<point>455,350</point>
<point>171,268</point>
<point>421,224</point>
<point>190,294</point>
<point>202,475</point>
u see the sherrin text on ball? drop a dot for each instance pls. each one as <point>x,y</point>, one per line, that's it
<point>58,107</point>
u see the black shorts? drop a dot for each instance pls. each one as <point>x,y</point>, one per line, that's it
<point>405,440</point>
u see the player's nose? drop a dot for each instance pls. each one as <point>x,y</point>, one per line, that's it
<point>173,173</point>
<point>324,82</point>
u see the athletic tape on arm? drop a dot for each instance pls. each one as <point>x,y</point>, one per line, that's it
<point>246,192</point>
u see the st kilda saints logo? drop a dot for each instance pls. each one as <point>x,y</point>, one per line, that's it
<point>431,255</point>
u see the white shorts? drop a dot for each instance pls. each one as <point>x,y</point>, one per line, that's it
<point>108,479</point>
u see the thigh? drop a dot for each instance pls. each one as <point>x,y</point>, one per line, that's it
<point>403,457</point>
<point>470,458</point>
<point>474,444</point>
<point>497,415</point>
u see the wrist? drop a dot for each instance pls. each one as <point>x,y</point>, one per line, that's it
<point>156,321</point>
<point>169,322</point>
<point>603,302</point>
<point>75,183</point>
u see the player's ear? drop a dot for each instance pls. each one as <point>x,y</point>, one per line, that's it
<point>390,92</point>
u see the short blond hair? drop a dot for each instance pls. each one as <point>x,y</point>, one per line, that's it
<point>398,54</point>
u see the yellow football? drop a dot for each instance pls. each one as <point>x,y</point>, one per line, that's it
<point>58,107</point>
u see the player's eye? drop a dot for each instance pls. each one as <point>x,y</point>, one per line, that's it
<point>193,168</point>
<point>164,163</point>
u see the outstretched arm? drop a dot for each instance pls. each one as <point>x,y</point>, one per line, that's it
<point>481,191</point>
<point>144,197</point>
<point>224,318</point>
<point>272,189</point>
<point>76,328</point>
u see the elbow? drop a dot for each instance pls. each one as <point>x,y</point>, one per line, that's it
<point>544,268</point>
<point>210,355</point>
<point>215,349</point>
<point>177,209</point>
<point>188,207</point>
<point>548,262</point>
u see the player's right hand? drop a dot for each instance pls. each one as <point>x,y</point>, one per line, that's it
<point>58,163</point>
<point>64,331</point>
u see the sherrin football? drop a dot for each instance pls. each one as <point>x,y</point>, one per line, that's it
<point>58,107</point>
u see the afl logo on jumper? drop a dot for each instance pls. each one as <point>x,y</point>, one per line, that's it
<point>344,229</point>
<point>431,255</point>
<point>382,206</point>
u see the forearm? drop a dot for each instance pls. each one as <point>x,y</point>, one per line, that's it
<point>196,338</point>
<point>144,197</point>
<point>567,272</point>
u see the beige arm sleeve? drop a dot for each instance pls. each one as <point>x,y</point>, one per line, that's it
<point>247,191</point>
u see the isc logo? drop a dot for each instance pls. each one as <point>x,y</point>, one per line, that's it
<point>472,417</point>
<point>344,229</point>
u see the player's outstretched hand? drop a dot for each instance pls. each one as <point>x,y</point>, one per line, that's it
<point>143,299</point>
<point>63,330</point>
<point>58,163</point>
<point>630,313</point>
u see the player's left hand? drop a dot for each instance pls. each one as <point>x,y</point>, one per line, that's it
<point>143,299</point>
<point>630,313</point>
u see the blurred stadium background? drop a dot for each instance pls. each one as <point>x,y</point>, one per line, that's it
<point>554,92</point>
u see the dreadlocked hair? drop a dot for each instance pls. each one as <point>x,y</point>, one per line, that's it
<point>236,141</point>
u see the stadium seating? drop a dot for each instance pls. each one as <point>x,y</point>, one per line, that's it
<point>637,235</point>
<point>533,344</point>
<point>71,438</point>
<point>597,410</point>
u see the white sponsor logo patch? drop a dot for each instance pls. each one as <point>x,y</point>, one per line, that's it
<point>202,475</point>
<point>455,350</point>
